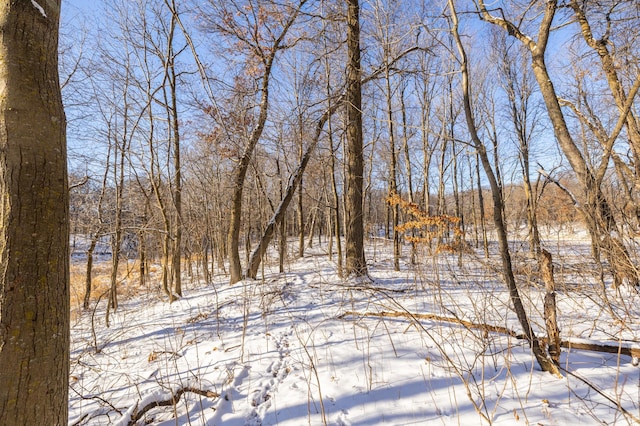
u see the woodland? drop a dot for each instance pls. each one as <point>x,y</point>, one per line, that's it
<point>466,171</point>
<point>200,130</point>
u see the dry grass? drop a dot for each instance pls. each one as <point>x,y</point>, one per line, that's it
<point>128,281</point>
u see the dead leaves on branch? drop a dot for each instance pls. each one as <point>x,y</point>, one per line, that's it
<point>424,228</point>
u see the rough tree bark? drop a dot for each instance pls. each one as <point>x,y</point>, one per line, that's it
<point>356,264</point>
<point>34,226</point>
<point>550,312</point>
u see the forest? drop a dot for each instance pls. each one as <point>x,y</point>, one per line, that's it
<point>197,131</point>
<point>268,197</point>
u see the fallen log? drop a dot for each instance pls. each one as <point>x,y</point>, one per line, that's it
<point>464,323</point>
<point>621,348</point>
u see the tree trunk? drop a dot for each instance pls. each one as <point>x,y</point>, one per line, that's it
<point>34,223</point>
<point>407,160</point>
<point>281,225</point>
<point>485,239</point>
<point>300,218</point>
<point>498,208</point>
<point>233,236</point>
<point>393,174</point>
<point>550,312</point>
<point>176,261</point>
<point>116,237</point>
<point>354,220</point>
<point>313,224</point>
<point>88,275</point>
<point>532,219</point>
<point>596,210</point>
<point>336,205</point>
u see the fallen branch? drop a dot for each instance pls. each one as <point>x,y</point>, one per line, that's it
<point>137,415</point>
<point>604,347</point>
<point>610,348</point>
<point>80,420</point>
<point>467,324</point>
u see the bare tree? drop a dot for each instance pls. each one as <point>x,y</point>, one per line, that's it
<point>498,206</point>
<point>262,42</point>
<point>602,45</point>
<point>596,209</point>
<point>518,86</point>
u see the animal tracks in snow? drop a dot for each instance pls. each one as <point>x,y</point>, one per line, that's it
<point>253,385</point>
<point>261,396</point>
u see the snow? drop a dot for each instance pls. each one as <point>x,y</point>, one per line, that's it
<point>40,8</point>
<point>299,348</point>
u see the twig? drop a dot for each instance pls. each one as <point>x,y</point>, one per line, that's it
<point>566,190</point>
<point>605,396</point>
<point>96,397</point>
<point>80,420</point>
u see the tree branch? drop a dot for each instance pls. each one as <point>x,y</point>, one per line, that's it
<point>169,402</point>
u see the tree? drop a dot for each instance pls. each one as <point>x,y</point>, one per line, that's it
<point>387,42</point>
<point>261,35</point>
<point>498,206</point>
<point>34,236</point>
<point>354,221</point>
<point>609,64</point>
<point>518,86</point>
<point>596,209</point>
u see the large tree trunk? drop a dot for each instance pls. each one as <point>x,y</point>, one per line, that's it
<point>34,226</point>
<point>354,220</point>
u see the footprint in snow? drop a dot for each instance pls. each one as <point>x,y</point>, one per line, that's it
<point>342,419</point>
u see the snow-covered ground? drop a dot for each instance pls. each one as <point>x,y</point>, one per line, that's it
<point>309,348</point>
